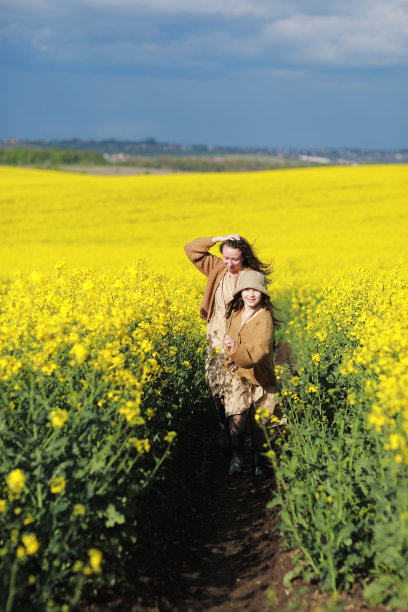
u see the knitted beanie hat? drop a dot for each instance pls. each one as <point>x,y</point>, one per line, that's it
<point>249,279</point>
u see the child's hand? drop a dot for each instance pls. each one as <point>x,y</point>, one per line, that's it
<point>229,343</point>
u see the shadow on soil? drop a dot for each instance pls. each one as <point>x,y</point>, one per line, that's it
<point>207,542</point>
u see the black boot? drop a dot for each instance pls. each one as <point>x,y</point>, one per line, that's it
<point>238,451</point>
<point>223,434</point>
<point>260,464</point>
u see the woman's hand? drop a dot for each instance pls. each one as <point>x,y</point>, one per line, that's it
<point>228,237</point>
<point>229,343</point>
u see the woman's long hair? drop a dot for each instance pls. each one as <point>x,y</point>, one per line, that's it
<point>237,303</point>
<point>250,260</point>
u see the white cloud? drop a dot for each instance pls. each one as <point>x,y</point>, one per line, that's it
<point>375,36</point>
<point>204,34</point>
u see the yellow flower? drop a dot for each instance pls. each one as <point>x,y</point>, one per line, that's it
<point>20,552</point>
<point>79,352</point>
<point>31,543</point>
<point>315,358</point>
<point>29,519</point>
<point>262,413</point>
<point>95,559</point>
<point>3,505</point>
<point>131,411</point>
<point>15,482</point>
<point>170,436</point>
<point>57,484</point>
<point>79,509</point>
<point>59,416</point>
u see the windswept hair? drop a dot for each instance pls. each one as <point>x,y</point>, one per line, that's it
<point>237,303</point>
<point>250,260</point>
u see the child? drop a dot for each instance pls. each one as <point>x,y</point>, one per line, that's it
<point>250,380</point>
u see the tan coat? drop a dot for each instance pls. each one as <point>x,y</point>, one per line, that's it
<point>212,266</point>
<point>253,352</point>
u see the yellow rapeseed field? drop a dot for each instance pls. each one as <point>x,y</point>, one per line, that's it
<point>91,336</point>
<point>314,221</point>
<point>84,359</point>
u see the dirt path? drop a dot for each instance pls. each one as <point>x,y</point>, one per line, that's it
<point>213,550</point>
<point>208,543</point>
<point>233,549</point>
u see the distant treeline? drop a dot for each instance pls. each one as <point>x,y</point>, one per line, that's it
<point>18,156</point>
<point>238,163</point>
<point>55,158</point>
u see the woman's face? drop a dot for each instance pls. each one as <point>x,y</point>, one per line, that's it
<point>232,259</point>
<point>251,297</point>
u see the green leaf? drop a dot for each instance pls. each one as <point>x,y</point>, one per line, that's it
<point>344,534</point>
<point>291,575</point>
<point>113,516</point>
<point>277,501</point>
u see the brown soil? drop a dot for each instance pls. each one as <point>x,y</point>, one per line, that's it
<point>208,542</point>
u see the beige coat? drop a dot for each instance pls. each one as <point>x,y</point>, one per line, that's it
<point>212,266</point>
<point>253,352</point>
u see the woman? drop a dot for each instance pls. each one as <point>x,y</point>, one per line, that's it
<point>250,380</point>
<point>223,274</point>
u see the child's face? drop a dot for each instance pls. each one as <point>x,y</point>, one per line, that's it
<point>251,297</point>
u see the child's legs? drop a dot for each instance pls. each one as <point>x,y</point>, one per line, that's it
<point>237,423</point>
<point>236,400</point>
<point>237,403</point>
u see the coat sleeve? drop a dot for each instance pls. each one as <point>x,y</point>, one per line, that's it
<point>249,354</point>
<point>198,253</point>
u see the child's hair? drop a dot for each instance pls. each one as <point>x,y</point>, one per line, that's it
<point>237,303</point>
<point>249,258</point>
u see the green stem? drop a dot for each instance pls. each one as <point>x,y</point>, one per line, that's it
<point>12,588</point>
<point>78,590</point>
<point>332,573</point>
<point>39,495</point>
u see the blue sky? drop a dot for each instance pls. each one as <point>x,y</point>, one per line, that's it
<point>284,73</point>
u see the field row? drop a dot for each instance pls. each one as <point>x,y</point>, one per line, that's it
<point>343,467</point>
<point>98,376</point>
